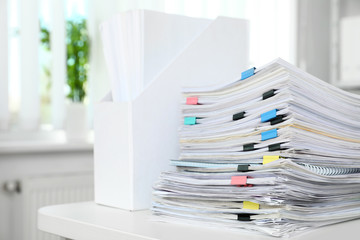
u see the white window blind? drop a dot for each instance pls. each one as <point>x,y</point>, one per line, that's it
<point>58,67</point>
<point>29,114</point>
<point>4,109</point>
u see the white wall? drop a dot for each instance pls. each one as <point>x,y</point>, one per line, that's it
<point>313,42</point>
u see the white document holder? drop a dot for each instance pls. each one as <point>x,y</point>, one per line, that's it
<point>134,141</point>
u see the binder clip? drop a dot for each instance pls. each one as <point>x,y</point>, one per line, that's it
<point>269,159</point>
<point>278,119</point>
<point>243,168</point>
<point>268,115</point>
<point>274,147</point>
<point>190,120</point>
<point>251,205</point>
<point>249,147</point>
<point>244,217</point>
<point>248,73</point>
<point>269,134</point>
<point>192,101</point>
<point>268,94</point>
<point>238,116</point>
<point>240,181</point>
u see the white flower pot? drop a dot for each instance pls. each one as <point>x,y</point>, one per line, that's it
<point>75,123</point>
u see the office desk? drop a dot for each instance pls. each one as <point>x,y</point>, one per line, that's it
<point>89,221</point>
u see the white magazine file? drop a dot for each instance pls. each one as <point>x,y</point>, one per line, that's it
<point>135,140</point>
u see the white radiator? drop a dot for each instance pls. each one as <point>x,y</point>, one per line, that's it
<point>42,191</point>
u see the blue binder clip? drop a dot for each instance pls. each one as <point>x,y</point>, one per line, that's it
<point>268,115</point>
<point>190,120</point>
<point>269,134</point>
<point>248,73</point>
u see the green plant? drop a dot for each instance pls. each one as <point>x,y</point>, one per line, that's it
<point>77,44</point>
<point>77,56</point>
<point>45,37</point>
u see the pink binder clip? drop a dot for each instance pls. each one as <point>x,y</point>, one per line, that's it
<point>192,101</point>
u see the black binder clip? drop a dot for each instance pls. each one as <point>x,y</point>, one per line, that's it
<point>274,147</point>
<point>268,94</point>
<point>243,168</point>
<point>277,119</point>
<point>244,217</point>
<point>238,116</point>
<point>249,147</point>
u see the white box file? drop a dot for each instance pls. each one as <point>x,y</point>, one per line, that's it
<point>135,140</point>
<point>349,52</point>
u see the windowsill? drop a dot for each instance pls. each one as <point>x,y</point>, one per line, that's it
<point>42,142</point>
<point>348,86</point>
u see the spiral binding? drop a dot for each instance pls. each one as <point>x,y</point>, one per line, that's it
<point>329,171</point>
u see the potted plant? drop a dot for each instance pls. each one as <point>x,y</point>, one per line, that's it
<point>77,45</point>
<point>77,62</point>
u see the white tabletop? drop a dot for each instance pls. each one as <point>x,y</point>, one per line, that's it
<point>89,221</point>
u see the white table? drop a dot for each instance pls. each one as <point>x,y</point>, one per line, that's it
<point>89,221</point>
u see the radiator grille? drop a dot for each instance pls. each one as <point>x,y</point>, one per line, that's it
<point>42,191</point>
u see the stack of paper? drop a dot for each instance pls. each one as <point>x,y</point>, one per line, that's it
<point>277,152</point>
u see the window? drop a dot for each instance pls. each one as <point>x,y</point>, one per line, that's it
<point>34,99</point>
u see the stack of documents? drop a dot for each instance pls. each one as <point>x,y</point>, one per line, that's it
<point>277,151</point>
